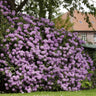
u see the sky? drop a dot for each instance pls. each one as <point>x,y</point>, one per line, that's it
<point>62,10</point>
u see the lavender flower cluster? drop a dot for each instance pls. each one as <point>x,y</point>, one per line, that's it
<point>36,56</point>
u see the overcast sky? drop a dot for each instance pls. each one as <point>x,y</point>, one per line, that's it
<point>62,10</point>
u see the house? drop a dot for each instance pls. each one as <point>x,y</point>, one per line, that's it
<point>81,26</point>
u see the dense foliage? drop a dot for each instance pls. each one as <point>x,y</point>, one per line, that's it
<point>92,54</point>
<point>49,7</point>
<point>35,56</point>
<point>63,23</point>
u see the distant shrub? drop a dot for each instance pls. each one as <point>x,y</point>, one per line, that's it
<point>92,54</point>
<point>63,23</point>
<point>35,56</point>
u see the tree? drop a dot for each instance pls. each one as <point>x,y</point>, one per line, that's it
<point>47,8</point>
<point>42,8</point>
<point>63,23</point>
<point>15,5</point>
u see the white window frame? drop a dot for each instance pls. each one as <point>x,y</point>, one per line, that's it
<point>84,36</point>
<point>94,37</point>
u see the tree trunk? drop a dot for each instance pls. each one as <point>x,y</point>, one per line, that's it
<point>15,7</point>
<point>19,8</point>
<point>42,12</point>
<point>50,10</point>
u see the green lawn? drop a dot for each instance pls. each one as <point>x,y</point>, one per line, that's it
<point>91,92</point>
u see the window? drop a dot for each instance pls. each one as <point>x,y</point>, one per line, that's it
<point>80,21</point>
<point>84,35</point>
<point>92,22</point>
<point>94,37</point>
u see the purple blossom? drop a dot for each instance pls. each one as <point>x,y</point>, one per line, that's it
<point>13,12</point>
<point>35,55</point>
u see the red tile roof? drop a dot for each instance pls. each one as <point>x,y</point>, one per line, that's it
<point>79,23</point>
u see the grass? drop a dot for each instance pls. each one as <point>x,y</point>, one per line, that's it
<point>91,92</point>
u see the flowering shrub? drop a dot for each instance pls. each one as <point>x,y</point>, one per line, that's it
<point>35,56</point>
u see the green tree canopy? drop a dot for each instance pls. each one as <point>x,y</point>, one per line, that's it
<point>47,8</point>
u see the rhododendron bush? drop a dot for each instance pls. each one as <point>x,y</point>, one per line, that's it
<point>36,56</point>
